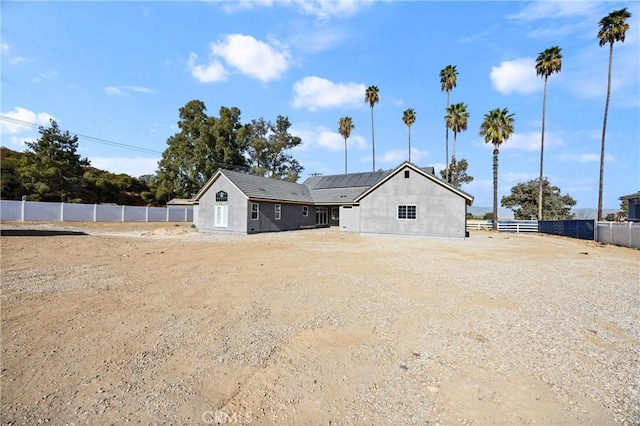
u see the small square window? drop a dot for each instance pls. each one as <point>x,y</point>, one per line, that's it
<point>305,211</point>
<point>406,174</point>
<point>278,211</point>
<point>255,211</point>
<point>407,212</point>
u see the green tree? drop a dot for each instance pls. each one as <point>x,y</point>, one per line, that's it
<point>203,145</point>
<point>345,126</point>
<point>523,200</point>
<point>53,170</point>
<point>456,119</point>
<point>267,148</point>
<point>372,97</point>
<point>496,128</point>
<point>11,186</point>
<point>459,174</point>
<point>448,80</point>
<point>409,117</point>
<point>548,62</point>
<point>613,27</point>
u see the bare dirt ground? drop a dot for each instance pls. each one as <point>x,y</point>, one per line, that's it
<point>158,324</point>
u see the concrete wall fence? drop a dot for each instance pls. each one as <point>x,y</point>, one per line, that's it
<point>626,234</point>
<point>71,212</point>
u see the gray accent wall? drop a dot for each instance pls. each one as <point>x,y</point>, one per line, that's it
<point>236,213</point>
<point>291,217</point>
<point>350,218</point>
<point>440,212</point>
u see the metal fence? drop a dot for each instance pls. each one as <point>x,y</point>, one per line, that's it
<point>620,234</point>
<point>71,212</point>
<point>583,229</point>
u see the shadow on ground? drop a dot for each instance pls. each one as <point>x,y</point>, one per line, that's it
<point>36,233</point>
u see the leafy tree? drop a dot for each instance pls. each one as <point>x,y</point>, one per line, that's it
<point>53,170</point>
<point>409,117</point>
<point>203,145</point>
<point>488,216</point>
<point>548,62</point>
<point>496,128</point>
<point>267,146</point>
<point>457,175</point>
<point>613,27</point>
<point>456,120</point>
<point>523,200</point>
<point>448,80</point>
<point>345,126</point>
<point>372,97</point>
<point>11,186</point>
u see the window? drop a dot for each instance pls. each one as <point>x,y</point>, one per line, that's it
<point>255,211</point>
<point>406,174</point>
<point>305,211</point>
<point>406,212</point>
<point>222,213</point>
<point>221,196</point>
<point>278,211</point>
<point>334,213</point>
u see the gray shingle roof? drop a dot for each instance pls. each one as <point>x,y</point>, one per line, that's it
<point>260,187</point>
<point>351,180</point>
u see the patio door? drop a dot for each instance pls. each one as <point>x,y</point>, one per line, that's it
<point>322,216</point>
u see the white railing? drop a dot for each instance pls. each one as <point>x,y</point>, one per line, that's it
<point>504,226</point>
<point>71,212</point>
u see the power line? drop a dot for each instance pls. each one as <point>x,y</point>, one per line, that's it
<point>85,137</point>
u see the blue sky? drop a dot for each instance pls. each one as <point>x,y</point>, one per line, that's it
<point>119,71</point>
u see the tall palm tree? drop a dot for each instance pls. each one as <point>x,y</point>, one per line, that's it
<point>448,80</point>
<point>496,128</point>
<point>409,117</point>
<point>548,62</point>
<point>345,126</point>
<point>613,27</point>
<point>456,120</point>
<point>371,96</point>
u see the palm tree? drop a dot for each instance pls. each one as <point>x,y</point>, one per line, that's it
<point>496,128</point>
<point>448,80</point>
<point>456,120</point>
<point>409,117</point>
<point>345,126</point>
<point>547,63</point>
<point>372,97</point>
<point>612,28</point>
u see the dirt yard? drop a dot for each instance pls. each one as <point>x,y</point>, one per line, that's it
<point>158,324</point>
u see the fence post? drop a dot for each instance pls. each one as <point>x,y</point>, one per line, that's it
<point>123,213</point>
<point>22,210</point>
<point>167,214</point>
<point>95,212</point>
<point>610,232</point>
<point>146,214</point>
<point>629,226</point>
<point>62,212</point>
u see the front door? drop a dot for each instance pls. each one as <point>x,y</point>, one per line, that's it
<point>322,216</point>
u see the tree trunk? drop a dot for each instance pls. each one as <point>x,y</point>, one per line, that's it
<point>604,131</point>
<point>409,143</point>
<point>495,187</point>
<point>453,160</point>
<point>446,145</point>
<point>345,156</point>
<point>373,143</point>
<point>544,107</point>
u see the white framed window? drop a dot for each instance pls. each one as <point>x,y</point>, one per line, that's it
<point>305,211</point>
<point>335,213</point>
<point>277,211</point>
<point>221,196</point>
<point>407,212</point>
<point>255,211</point>
<point>222,214</point>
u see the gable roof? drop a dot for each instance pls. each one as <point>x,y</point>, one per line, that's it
<point>258,187</point>
<point>635,196</point>
<point>422,171</point>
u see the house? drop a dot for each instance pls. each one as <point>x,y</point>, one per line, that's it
<point>633,201</point>
<point>407,200</point>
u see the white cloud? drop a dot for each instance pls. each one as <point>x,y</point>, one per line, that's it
<point>586,158</point>
<point>120,90</point>
<point>210,73</point>
<point>252,57</point>
<point>4,47</point>
<point>397,156</point>
<point>133,166</point>
<point>323,137</point>
<point>24,115</point>
<point>518,176</point>
<point>314,93</point>
<point>325,9</point>
<point>19,142</point>
<point>530,141</point>
<point>517,76</point>
<point>317,40</point>
<point>549,9</point>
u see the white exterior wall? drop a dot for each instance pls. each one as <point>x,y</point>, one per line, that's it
<point>237,208</point>
<point>440,212</point>
<point>350,218</point>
